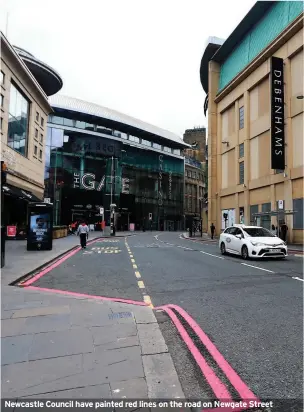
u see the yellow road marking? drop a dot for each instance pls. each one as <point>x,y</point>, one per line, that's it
<point>137,274</point>
<point>147,300</point>
<point>141,284</point>
<point>133,260</point>
<point>134,266</point>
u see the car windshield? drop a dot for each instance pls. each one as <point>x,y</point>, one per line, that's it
<point>258,232</point>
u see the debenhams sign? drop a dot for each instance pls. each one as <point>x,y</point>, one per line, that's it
<point>277,114</point>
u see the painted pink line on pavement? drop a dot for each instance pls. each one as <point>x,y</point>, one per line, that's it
<point>234,378</point>
<point>215,383</point>
<point>84,295</point>
<point>49,268</point>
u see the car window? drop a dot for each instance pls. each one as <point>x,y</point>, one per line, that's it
<point>258,232</point>
<point>233,230</point>
<point>238,232</point>
<point>228,231</point>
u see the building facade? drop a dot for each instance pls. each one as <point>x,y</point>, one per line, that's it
<point>24,112</point>
<point>96,157</point>
<point>254,87</point>
<point>195,177</point>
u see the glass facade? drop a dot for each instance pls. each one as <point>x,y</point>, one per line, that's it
<point>18,121</point>
<point>84,172</point>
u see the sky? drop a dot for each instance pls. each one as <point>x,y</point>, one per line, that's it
<point>140,57</point>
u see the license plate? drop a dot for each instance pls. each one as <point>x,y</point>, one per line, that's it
<point>273,250</point>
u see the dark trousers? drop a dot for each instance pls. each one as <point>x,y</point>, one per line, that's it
<point>83,239</point>
<point>212,234</point>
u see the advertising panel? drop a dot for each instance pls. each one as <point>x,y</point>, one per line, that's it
<point>40,226</point>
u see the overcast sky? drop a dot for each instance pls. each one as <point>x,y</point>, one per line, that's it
<point>140,57</point>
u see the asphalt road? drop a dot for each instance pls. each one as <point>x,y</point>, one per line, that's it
<point>252,311</point>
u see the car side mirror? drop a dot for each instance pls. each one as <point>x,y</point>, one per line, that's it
<point>239,236</point>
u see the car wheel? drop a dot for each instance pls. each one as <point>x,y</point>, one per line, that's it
<point>223,248</point>
<point>245,252</point>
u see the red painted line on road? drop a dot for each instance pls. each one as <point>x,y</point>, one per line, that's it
<point>49,268</point>
<point>84,295</point>
<point>234,378</point>
<point>218,387</point>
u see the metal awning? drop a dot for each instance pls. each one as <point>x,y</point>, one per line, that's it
<point>19,193</point>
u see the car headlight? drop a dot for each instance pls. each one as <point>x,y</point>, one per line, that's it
<point>256,243</point>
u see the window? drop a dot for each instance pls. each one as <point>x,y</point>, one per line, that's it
<point>90,126</point>
<point>57,137</point>
<point>133,139</point>
<point>266,220</point>
<point>1,122</point>
<point>42,121</point>
<point>36,133</point>
<point>18,120</point>
<point>80,125</point>
<point>41,138</point>
<point>241,150</point>
<point>40,154</point>
<point>35,150</point>
<point>241,172</point>
<point>177,151</point>
<point>253,209</point>
<point>68,122</point>
<point>1,100</point>
<point>145,142</point>
<point>156,146</point>
<point>2,77</point>
<point>241,117</point>
<point>37,117</point>
<point>298,216</point>
<point>57,120</point>
<point>104,130</point>
<point>167,149</point>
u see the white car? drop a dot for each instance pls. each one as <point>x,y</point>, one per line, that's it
<point>251,241</point>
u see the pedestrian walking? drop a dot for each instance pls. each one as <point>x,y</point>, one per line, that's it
<point>83,232</point>
<point>284,229</point>
<point>212,229</point>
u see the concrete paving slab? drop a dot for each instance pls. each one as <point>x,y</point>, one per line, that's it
<point>111,333</point>
<point>6,314</point>
<point>143,315</point>
<point>97,317</point>
<point>15,349</point>
<point>161,376</point>
<point>39,311</point>
<point>151,339</point>
<point>88,392</point>
<point>127,389</point>
<point>44,375</point>
<point>61,343</point>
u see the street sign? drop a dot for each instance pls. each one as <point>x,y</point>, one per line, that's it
<point>101,210</point>
<point>281,204</point>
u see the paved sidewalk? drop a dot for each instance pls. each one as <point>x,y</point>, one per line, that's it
<point>63,346</point>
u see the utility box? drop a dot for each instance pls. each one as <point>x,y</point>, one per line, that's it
<point>40,226</point>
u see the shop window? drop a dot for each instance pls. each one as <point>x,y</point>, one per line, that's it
<point>18,121</point>
<point>241,117</point>
<point>266,220</point>
<point>241,150</point>
<point>298,216</point>
<point>253,209</point>
<point>241,173</point>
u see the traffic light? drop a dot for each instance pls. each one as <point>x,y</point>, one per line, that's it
<point>3,173</point>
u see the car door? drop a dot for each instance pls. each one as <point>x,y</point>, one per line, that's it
<point>236,243</point>
<point>228,238</point>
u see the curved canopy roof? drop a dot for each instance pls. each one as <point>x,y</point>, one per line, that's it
<point>92,109</point>
<point>46,76</point>
<point>213,44</point>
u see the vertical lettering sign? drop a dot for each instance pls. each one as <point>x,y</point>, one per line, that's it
<point>277,114</point>
<point>160,177</point>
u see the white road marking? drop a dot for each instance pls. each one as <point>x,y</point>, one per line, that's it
<point>156,237</point>
<point>295,277</point>
<point>210,254</point>
<point>257,267</point>
<point>302,256</point>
